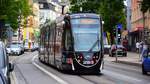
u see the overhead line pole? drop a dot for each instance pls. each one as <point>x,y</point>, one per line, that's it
<point>116,44</point>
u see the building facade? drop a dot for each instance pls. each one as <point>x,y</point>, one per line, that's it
<point>48,10</point>
<point>137,23</point>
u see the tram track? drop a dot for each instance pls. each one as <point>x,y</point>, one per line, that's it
<point>89,80</point>
<point>111,75</point>
<point>65,73</point>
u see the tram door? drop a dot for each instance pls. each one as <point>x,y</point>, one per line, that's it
<point>58,44</point>
<point>52,44</point>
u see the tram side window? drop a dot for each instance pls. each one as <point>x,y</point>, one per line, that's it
<point>68,40</point>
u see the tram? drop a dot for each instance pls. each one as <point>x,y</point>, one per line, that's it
<point>73,42</point>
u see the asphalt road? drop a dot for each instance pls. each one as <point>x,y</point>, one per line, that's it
<point>26,72</point>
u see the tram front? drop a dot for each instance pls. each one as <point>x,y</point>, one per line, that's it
<point>87,38</point>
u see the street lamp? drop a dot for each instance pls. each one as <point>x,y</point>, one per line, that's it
<point>63,4</point>
<point>79,3</point>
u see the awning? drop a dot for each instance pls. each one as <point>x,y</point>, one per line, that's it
<point>138,28</point>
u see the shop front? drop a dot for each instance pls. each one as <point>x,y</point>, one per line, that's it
<point>135,35</point>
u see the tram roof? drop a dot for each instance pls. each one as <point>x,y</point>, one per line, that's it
<point>79,15</point>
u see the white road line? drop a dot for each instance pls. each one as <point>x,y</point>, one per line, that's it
<point>14,77</point>
<point>15,81</point>
<point>48,73</point>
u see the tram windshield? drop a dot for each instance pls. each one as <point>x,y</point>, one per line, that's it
<point>86,33</point>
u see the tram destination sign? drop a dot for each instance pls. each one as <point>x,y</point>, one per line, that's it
<point>88,21</point>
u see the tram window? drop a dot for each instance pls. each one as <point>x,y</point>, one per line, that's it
<point>68,41</point>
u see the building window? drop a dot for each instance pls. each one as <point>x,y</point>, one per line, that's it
<point>41,5</point>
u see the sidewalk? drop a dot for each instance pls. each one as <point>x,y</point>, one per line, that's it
<point>131,59</point>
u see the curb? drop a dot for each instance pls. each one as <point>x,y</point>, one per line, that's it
<point>128,63</point>
<point>13,80</point>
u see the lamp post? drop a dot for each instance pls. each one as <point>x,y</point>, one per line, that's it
<point>63,4</point>
<point>80,3</point>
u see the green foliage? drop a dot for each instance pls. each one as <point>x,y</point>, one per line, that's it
<point>111,11</point>
<point>11,9</point>
<point>145,6</point>
<point>87,5</point>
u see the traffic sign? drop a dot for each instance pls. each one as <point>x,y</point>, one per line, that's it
<point>119,26</point>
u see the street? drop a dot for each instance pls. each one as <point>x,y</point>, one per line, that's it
<point>114,73</point>
<point>67,41</point>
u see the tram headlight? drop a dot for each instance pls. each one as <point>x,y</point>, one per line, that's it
<point>80,56</point>
<point>96,57</point>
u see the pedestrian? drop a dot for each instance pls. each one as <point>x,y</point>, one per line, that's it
<point>142,47</point>
<point>137,46</point>
<point>125,43</point>
<point>141,44</point>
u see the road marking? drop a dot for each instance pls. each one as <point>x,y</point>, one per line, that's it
<point>48,73</point>
<point>15,81</point>
<point>13,74</point>
<point>14,77</point>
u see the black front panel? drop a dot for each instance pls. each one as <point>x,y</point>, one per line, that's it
<point>87,59</point>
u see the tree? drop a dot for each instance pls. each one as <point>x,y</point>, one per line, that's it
<point>87,5</point>
<point>111,11</point>
<point>10,10</point>
<point>145,6</point>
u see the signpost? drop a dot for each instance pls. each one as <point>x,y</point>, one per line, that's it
<point>119,26</point>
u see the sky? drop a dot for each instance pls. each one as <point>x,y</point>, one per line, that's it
<point>125,2</point>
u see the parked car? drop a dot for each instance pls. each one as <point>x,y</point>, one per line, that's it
<point>20,45</point>
<point>121,51</point>
<point>106,48</point>
<point>15,49</point>
<point>145,61</point>
<point>3,79</point>
<point>5,66</point>
<point>29,46</point>
<point>36,46</point>
<point>8,50</point>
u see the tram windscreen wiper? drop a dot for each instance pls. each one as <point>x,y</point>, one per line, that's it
<point>93,45</point>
